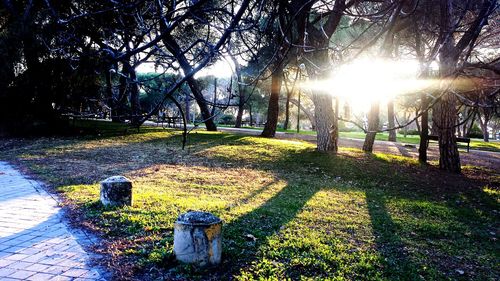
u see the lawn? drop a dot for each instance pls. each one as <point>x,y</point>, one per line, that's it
<point>351,216</point>
<point>478,144</point>
<point>415,139</point>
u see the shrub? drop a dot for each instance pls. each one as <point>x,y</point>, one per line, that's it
<point>475,132</point>
<point>410,132</point>
<point>227,119</point>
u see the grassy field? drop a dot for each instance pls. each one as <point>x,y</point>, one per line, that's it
<point>351,216</point>
<point>478,144</point>
<point>415,139</point>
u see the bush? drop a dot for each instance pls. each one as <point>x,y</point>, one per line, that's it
<point>475,132</point>
<point>345,127</point>
<point>410,132</point>
<point>227,119</point>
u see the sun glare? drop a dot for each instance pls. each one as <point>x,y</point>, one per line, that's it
<point>367,80</point>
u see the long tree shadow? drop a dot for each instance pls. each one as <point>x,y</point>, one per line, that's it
<point>388,242</point>
<point>278,208</point>
<point>267,219</point>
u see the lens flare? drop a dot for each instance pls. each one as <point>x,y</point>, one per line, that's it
<point>367,80</point>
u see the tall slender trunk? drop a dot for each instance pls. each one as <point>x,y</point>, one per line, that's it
<point>187,101</point>
<point>109,92</point>
<point>472,119</point>
<point>390,117</point>
<point>214,102</point>
<point>273,108</point>
<point>424,130</point>
<point>445,112</point>
<point>239,115</point>
<point>241,93</point>
<point>307,112</point>
<point>373,123</point>
<point>445,115</point>
<point>250,114</point>
<point>41,104</point>
<point>287,110</point>
<point>417,122</point>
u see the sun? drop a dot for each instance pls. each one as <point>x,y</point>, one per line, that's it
<point>364,81</point>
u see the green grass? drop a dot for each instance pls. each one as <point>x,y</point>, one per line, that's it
<point>415,139</point>
<point>315,216</point>
<point>409,139</point>
<point>292,131</point>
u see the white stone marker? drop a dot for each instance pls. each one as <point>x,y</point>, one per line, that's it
<point>198,239</point>
<point>116,191</point>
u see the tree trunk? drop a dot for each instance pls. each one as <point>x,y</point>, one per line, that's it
<point>41,104</point>
<point>120,104</point>
<point>307,112</point>
<point>445,113</point>
<point>484,126</point>
<point>250,114</point>
<point>424,130</point>
<point>133,88</point>
<point>287,110</point>
<point>214,102</point>
<point>241,93</point>
<point>373,123</point>
<point>326,127</point>
<point>327,131</point>
<point>109,92</point>
<point>469,128</point>
<point>175,49</point>
<point>390,117</point>
<point>273,108</point>
<point>239,115</point>
<point>187,108</point>
<point>417,122</point>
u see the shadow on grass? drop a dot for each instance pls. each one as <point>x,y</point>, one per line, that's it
<point>376,177</point>
<point>398,262</point>
<point>263,222</point>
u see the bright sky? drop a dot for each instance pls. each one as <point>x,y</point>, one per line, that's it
<point>359,83</point>
<point>222,68</point>
<point>365,80</point>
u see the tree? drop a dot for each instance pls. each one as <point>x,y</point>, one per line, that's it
<point>280,49</point>
<point>320,27</point>
<point>454,50</point>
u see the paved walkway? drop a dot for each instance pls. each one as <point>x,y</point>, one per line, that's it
<point>34,243</point>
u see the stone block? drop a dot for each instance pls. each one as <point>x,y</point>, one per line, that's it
<point>116,191</point>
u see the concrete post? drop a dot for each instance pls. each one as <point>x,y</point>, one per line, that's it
<point>198,239</point>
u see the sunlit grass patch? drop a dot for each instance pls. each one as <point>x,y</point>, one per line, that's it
<point>396,159</point>
<point>288,210</point>
<point>493,145</point>
<point>256,149</point>
<point>493,192</point>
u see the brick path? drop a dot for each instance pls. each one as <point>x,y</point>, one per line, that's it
<point>34,243</point>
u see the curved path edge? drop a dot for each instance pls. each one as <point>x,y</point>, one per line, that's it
<point>35,242</point>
